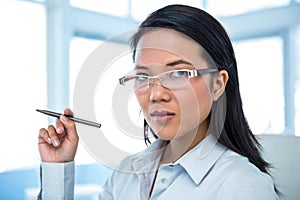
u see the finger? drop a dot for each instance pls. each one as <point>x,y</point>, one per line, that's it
<point>59,127</point>
<point>44,136</point>
<point>69,127</point>
<point>69,112</point>
<point>53,136</point>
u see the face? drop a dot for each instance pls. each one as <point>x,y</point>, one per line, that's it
<point>177,113</point>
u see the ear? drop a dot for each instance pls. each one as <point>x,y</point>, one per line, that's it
<point>219,84</point>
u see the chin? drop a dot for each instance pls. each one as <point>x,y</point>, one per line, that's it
<point>165,138</point>
<point>163,135</point>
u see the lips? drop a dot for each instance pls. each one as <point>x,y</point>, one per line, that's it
<point>162,116</point>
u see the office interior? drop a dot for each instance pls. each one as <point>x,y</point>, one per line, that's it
<point>44,45</point>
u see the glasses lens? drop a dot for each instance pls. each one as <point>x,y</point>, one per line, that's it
<point>172,79</point>
<point>175,79</point>
<point>140,82</point>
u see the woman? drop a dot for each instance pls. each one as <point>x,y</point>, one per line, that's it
<point>185,80</point>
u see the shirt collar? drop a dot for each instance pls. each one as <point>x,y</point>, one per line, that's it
<point>201,159</point>
<point>148,160</point>
<point>197,162</point>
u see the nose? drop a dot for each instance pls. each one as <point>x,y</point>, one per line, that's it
<point>158,92</point>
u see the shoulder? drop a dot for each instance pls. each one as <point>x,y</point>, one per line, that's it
<point>243,180</point>
<point>144,160</point>
<point>236,165</point>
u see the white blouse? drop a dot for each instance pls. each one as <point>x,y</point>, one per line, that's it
<point>208,171</point>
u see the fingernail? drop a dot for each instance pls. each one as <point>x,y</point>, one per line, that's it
<point>55,143</point>
<point>64,118</point>
<point>49,140</point>
<point>59,129</point>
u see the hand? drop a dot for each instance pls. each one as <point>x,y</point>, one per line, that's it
<point>59,144</point>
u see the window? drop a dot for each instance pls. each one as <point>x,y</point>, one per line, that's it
<point>234,7</point>
<point>111,7</point>
<point>297,87</point>
<point>108,109</point>
<point>260,67</point>
<point>23,69</point>
<point>297,107</point>
<point>22,82</point>
<point>141,9</point>
<point>80,49</point>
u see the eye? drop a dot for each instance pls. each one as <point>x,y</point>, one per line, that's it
<point>141,81</point>
<point>141,77</point>
<point>179,74</point>
<point>141,74</point>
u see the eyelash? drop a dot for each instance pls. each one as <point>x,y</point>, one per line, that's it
<point>143,74</point>
<point>177,67</point>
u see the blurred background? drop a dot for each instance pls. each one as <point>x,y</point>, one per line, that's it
<point>43,44</point>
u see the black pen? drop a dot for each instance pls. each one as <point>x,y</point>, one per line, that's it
<point>82,121</point>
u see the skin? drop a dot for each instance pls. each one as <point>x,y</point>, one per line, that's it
<point>59,144</point>
<point>159,51</point>
<point>189,106</point>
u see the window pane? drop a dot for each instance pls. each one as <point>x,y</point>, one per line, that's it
<point>260,65</point>
<point>233,7</point>
<point>297,107</point>
<point>114,131</point>
<point>22,82</point>
<point>297,93</point>
<point>111,7</point>
<point>141,9</point>
<point>80,48</point>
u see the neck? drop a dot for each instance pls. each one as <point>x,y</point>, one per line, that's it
<point>181,145</point>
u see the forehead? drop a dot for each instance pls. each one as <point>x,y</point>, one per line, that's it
<point>163,45</point>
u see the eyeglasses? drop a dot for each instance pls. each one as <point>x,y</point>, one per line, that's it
<point>175,79</point>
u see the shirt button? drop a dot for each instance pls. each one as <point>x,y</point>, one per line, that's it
<point>163,180</point>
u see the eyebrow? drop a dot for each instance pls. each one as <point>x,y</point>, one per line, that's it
<point>140,67</point>
<point>170,64</point>
<point>178,62</point>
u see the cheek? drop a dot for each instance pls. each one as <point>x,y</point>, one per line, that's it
<point>196,103</point>
<point>143,100</point>
<point>204,100</point>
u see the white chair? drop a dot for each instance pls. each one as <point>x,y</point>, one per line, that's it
<point>283,152</point>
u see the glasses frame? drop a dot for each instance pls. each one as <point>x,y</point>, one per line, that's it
<point>191,74</point>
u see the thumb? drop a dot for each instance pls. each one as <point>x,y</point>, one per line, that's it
<point>69,127</point>
<point>68,112</point>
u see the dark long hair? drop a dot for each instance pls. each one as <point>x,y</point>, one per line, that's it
<point>210,34</point>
